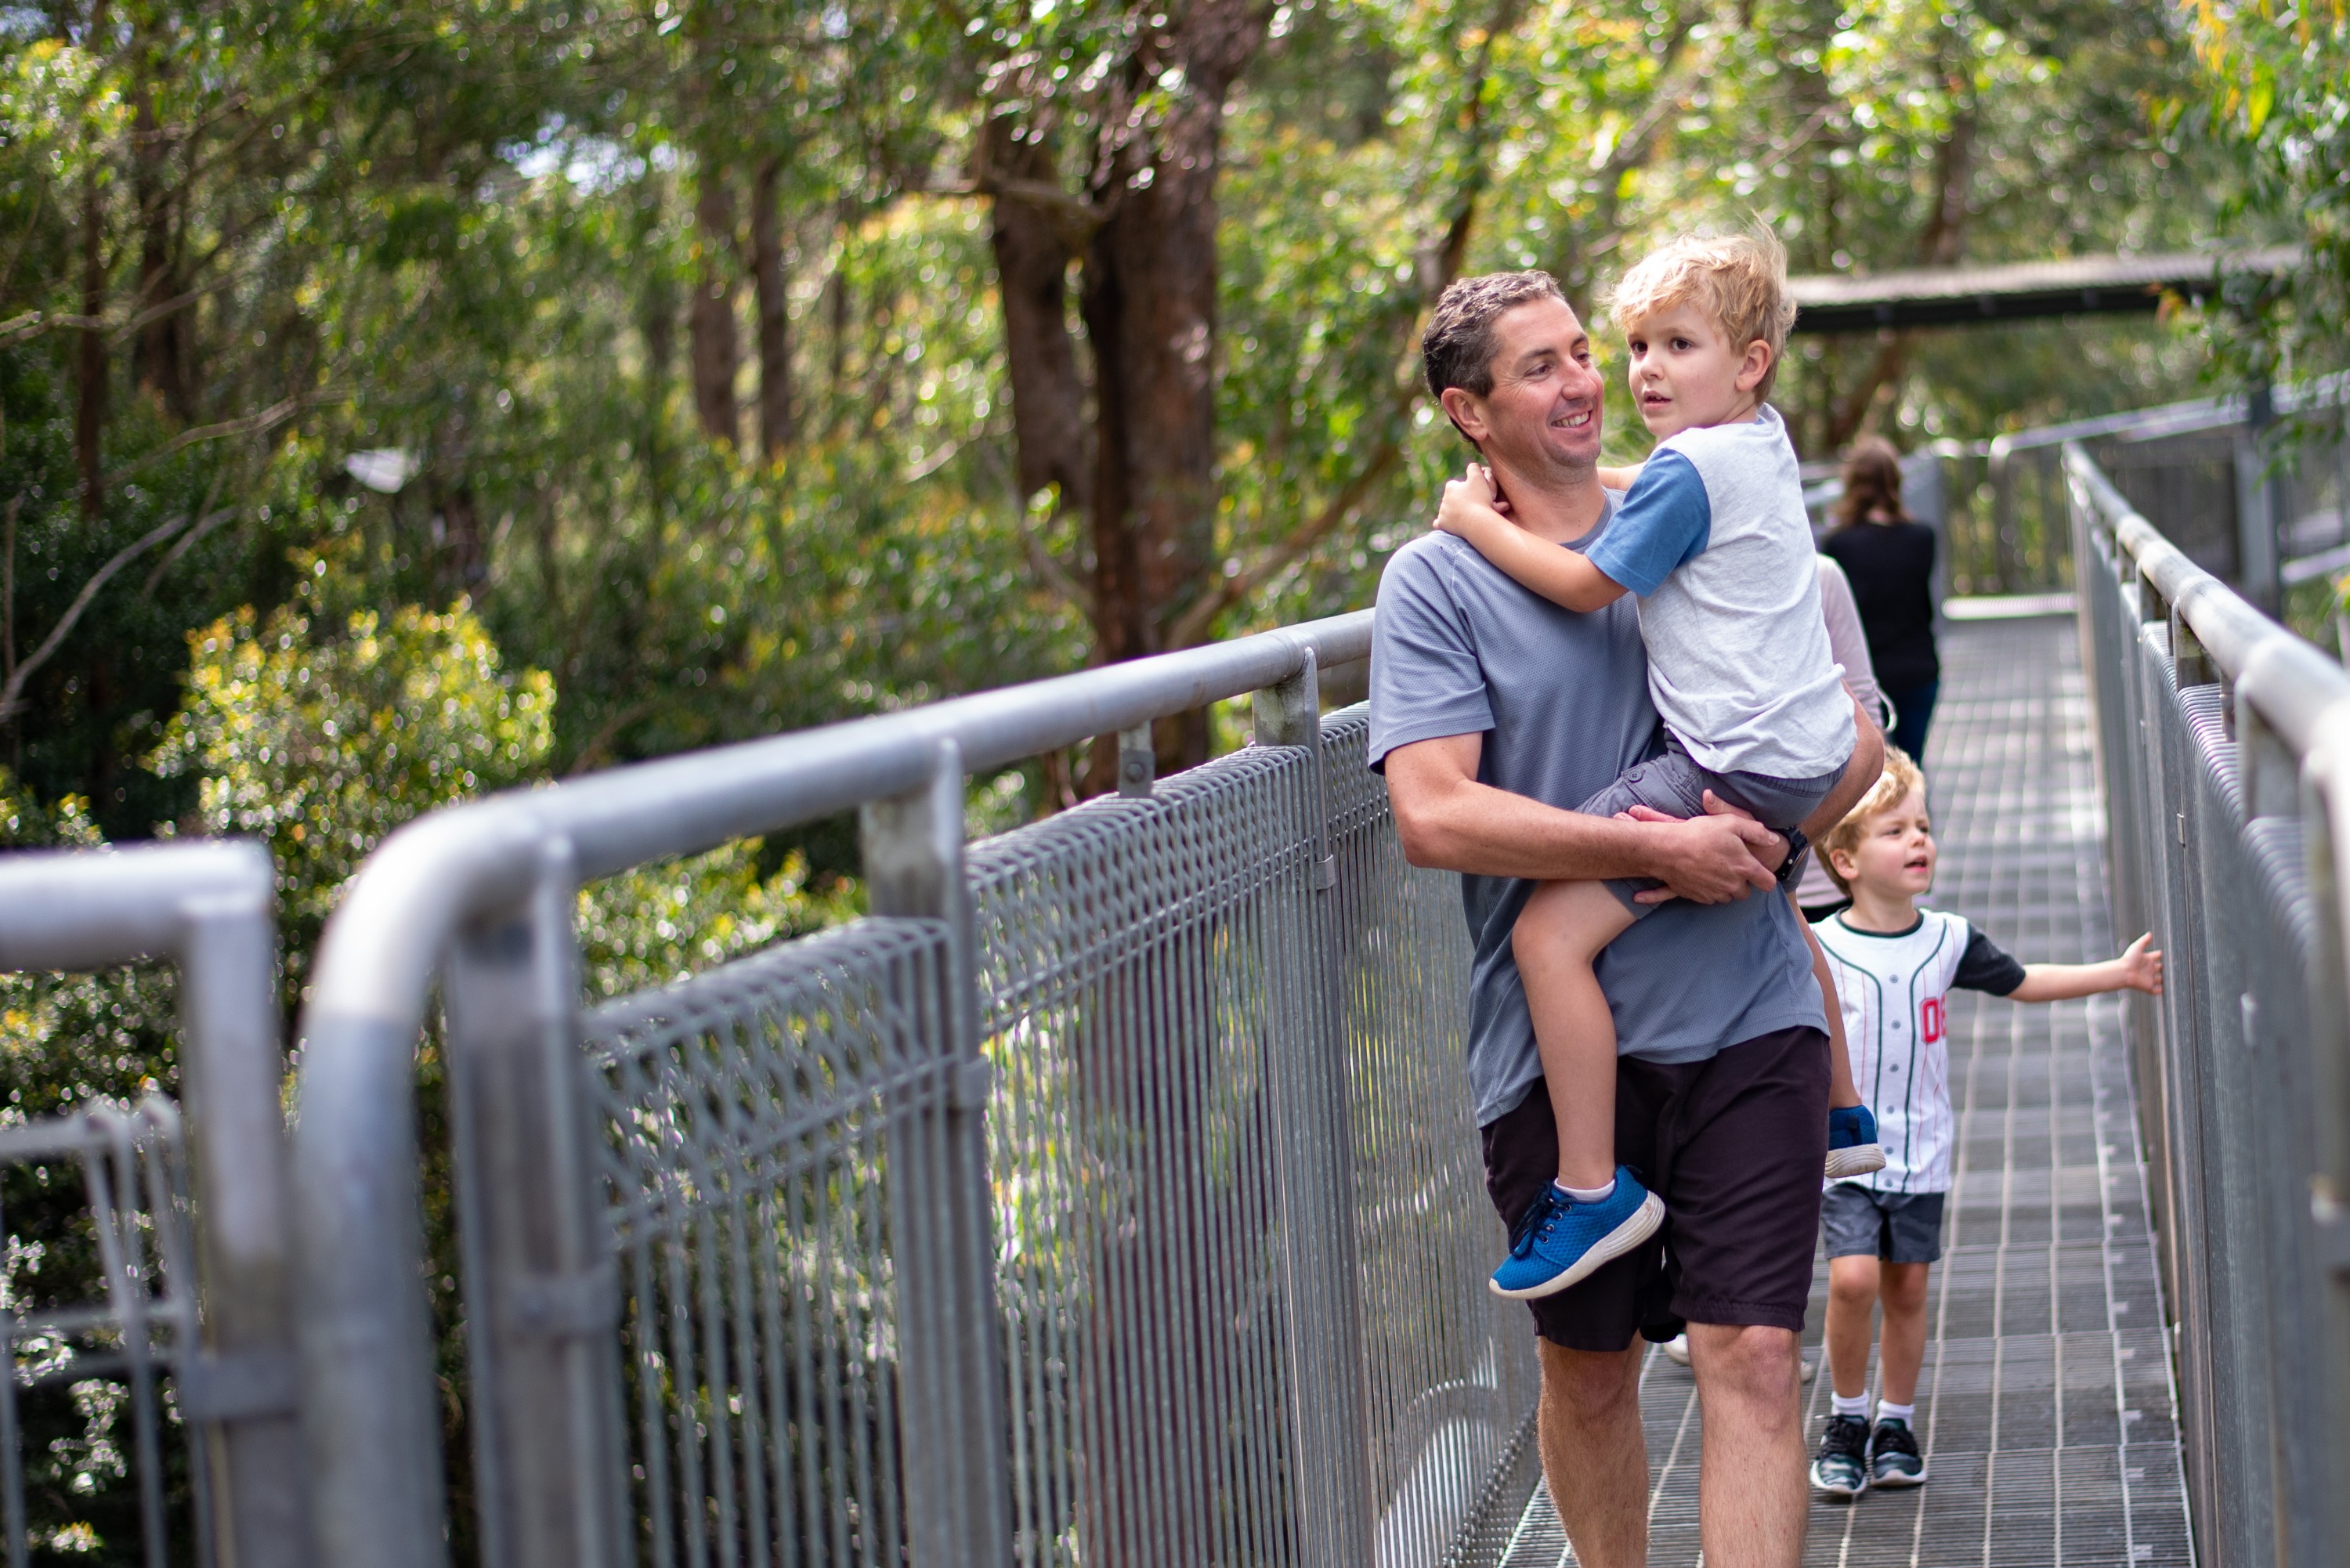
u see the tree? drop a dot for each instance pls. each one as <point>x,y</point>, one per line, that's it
<point>2275,104</point>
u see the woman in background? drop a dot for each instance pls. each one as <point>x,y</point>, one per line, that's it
<point>1889,556</point>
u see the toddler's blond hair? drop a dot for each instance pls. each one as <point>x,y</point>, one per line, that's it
<point>1737,279</point>
<point>1892,787</point>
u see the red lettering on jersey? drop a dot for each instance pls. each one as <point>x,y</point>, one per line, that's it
<point>1930,1020</point>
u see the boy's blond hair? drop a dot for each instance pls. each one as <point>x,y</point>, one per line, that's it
<point>1893,786</point>
<point>1737,279</point>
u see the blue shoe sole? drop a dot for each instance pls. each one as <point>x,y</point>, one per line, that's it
<point>1637,1228</point>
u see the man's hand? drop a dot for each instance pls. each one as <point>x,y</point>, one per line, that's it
<point>1711,859</point>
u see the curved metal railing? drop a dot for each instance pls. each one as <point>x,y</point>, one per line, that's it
<point>2224,745</point>
<point>210,910</point>
<point>1006,1224</point>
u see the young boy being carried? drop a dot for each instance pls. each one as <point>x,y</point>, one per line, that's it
<point>1714,540</point>
<point>1893,965</point>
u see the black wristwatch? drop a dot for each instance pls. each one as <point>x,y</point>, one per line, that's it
<point>1791,869</point>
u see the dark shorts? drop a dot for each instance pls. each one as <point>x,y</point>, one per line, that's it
<point>1675,783</point>
<point>1899,1227</point>
<point>1734,1146</point>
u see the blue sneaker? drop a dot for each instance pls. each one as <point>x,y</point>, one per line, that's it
<point>1852,1143</point>
<point>1559,1242</point>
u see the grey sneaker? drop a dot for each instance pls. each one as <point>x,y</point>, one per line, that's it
<point>1893,1455</point>
<point>1841,1466</point>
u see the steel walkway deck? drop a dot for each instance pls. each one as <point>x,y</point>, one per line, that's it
<point>2046,1402</point>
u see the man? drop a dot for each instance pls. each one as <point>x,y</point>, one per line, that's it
<point>1489,706</point>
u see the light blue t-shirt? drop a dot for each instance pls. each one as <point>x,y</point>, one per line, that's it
<point>1715,541</point>
<point>1562,701</point>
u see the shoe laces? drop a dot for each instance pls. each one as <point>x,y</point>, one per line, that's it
<point>1895,1437</point>
<point>1847,1435</point>
<point>1536,1222</point>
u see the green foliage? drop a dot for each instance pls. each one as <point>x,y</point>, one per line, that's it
<point>320,734</point>
<point>659,924</point>
<point>2275,101</point>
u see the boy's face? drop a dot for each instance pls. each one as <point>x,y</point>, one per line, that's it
<point>1685,373</point>
<point>1895,856</point>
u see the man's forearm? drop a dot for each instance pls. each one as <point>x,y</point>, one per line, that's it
<point>1447,818</point>
<point>1489,832</point>
<point>1860,775</point>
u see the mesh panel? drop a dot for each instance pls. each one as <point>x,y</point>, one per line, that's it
<point>1450,1367</point>
<point>748,1118</point>
<point>98,1304</point>
<point>1137,957</point>
<point>1199,1043</point>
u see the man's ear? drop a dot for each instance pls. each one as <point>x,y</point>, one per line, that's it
<point>1756,365</point>
<point>1467,411</point>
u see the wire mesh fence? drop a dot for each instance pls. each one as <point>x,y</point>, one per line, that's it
<point>2226,760</point>
<point>1203,1010</point>
<point>100,1309</point>
<point>148,1402</point>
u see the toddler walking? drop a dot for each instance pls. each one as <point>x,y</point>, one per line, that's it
<point>1713,539</point>
<point>1893,965</point>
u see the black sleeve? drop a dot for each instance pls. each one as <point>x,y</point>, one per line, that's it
<point>1985,967</point>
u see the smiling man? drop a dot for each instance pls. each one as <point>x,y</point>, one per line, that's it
<point>1491,709</point>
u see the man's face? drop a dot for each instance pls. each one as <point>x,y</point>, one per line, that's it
<point>1543,413</point>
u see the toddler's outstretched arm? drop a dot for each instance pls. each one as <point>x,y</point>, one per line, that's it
<point>1561,576</point>
<point>2138,969</point>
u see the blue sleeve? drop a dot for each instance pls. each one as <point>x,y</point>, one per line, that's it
<point>1664,521</point>
<point>1426,680</point>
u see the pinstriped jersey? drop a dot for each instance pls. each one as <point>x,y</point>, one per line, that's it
<point>1893,989</point>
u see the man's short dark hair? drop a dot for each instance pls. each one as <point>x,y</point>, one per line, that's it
<point>1457,349</point>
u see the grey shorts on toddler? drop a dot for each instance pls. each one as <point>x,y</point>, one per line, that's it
<point>1896,1227</point>
<point>1676,783</point>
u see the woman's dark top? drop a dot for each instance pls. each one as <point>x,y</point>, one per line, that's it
<point>1891,566</point>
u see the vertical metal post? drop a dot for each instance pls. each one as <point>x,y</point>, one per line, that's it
<point>952,1415</point>
<point>245,1380</point>
<point>541,1292</point>
<point>1321,1275</point>
<point>2257,499</point>
<point>1137,763</point>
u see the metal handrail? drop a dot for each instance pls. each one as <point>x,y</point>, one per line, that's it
<point>2224,748</point>
<point>365,1349</point>
<point>210,908</point>
<point>2298,690</point>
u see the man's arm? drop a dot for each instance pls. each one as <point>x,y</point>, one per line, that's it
<point>1860,775</point>
<point>1446,818</point>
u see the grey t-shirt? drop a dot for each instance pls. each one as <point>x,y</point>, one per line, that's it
<point>1562,700</point>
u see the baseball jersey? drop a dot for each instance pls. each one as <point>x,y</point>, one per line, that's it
<point>1893,990</point>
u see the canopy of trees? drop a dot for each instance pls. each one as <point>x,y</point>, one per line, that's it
<point>663,372</point>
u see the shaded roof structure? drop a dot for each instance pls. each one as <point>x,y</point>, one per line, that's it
<point>2020,291</point>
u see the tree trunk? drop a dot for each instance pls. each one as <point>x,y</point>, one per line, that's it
<point>777,427</point>
<point>1149,307</point>
<point>162,350</point>
<point>710,323</point>
<point>1032,270</point>
<point>89,359</point>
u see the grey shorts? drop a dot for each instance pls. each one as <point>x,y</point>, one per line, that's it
<point>1897,1227</point>
<point>1676,783</point>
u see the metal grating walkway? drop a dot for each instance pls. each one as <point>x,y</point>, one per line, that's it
<point>2046,1402</point>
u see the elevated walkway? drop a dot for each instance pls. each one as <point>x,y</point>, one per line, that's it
<point>2050,1423</point>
